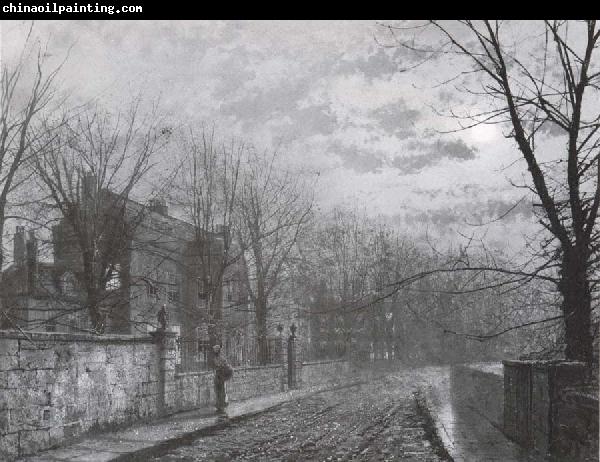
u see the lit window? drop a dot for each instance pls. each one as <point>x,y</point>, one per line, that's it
<point>202,344</point>
<point>114,280</point>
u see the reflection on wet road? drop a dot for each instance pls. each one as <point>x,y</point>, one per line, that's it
<point>467,433</point>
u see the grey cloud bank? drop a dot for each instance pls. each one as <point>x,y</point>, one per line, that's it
<point>327,93</point>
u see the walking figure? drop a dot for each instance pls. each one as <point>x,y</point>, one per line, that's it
<point>223,372</point>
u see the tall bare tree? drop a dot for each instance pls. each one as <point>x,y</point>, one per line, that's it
<point>273,208</point>
<point>206,189</point>
<point>345,261</point>
<point>27,93</point>
<point>90,168</point>
<point>541,80</point>
<point>393,297</point>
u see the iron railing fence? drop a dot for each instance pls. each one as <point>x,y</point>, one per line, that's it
<point>194,355</point>
<point>241,351</point>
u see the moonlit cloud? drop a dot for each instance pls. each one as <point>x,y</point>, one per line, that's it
<point>433,153</point>
<point>325,92</point>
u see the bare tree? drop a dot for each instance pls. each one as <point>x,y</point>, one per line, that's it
<point>349,261</point>
<point>206,189</point>
<point>540,85</point>
<point>343,242</point>
<point>27,94</point>
<point>273,208</point>
<point>89,168</point>
<point>393,297</point>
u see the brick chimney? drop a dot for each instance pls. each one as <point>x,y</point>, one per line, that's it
<point>19,246</point>
<point>32,260</point>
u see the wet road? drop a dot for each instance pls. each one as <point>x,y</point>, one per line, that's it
<point>379,421</point>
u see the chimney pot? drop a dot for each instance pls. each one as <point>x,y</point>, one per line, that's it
<point>89,186</point>
<point>19,246</point>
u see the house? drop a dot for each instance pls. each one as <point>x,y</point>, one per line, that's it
<point>153,259</point>
<point>32,290</point>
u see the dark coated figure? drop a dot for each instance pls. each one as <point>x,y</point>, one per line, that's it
<point>223,372</point>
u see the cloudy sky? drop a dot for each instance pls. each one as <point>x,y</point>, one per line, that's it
<point>330,94</point>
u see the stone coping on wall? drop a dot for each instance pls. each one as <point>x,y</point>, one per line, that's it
<point>584,397</point>
<point>74,337</point>
<point>325,361</point>
<point>252,368</point>
<point>494,368</point>
<point>558,364</point>
<point>193,373</point>
<point>541,362</point>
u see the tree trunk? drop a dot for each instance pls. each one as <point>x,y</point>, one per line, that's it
<point>261,330</point>
<point>96,318</point>
<point>2,240</point>
<point>3,312</point>
<point>576,306</point>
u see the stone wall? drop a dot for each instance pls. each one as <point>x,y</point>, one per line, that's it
<point>544,405</point>
<point>55,387</point>
<point>576,435</point>
<point>549,383</point>
<point>248,382</point>
<point>191,390</point>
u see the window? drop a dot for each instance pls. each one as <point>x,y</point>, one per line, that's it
<point>203,289</point>
<point>114,280</point>
<point>152,289</point>
<point>203,351</point>
<point>152,283</point>
<point>173,294</point>
<point>177,330</point>
<point>171,286</point>
<point>202,344</point>
<point>228,290</point>
<point>50,321</point>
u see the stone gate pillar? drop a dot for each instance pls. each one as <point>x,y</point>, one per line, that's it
<point>166,352</point>
<point>292,379</point>
<point>281,355</point>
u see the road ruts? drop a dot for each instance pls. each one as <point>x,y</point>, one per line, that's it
<point>379,421</point>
